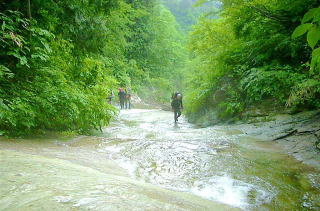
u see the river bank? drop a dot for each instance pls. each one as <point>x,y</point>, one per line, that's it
<point>297,134</point>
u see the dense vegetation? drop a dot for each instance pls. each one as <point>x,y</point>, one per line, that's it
<point>59,60</point>
<point>250,57</point>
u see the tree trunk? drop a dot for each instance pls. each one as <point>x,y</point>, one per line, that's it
<point>29,9</point>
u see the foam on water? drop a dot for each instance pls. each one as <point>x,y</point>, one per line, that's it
<point>181,157</point>
<point>130,166</point>
<point>233,192</point>
<point>62,199</point>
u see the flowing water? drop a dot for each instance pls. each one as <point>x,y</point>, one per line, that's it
<point>143,161</point>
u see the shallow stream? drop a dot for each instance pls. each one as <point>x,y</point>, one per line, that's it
<point>143,161</point>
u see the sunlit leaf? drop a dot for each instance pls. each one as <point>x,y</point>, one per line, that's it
<point>313,36</point>
<point>310,15</point>
<point>317,17</point>
<point>300,30</point>
<point>315,58</point>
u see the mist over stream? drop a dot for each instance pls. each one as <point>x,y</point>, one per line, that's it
<point>143,161</point>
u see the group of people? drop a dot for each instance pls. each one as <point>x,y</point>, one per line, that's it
<point>125,101</point>
<point>124,98</point>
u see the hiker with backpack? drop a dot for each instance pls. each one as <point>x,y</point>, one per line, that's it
<point>176,104</point>
<point>122,97</point>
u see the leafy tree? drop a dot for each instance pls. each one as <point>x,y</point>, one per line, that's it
<point>309,89</point>
<point>60,59</point>
<point>247,57</point>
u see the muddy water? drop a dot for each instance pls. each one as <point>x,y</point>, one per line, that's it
<point>143,161</point>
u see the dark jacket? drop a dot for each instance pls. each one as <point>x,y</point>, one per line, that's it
<point>176,103</point>
<point>122,95</point>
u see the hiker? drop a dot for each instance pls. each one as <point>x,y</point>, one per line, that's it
<point>122,97</point>
<point>128,100</point>
<point>176,105</point>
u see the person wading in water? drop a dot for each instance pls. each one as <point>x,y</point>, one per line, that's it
<point>128,100</point>
<point>176,105</point>
<point>122,97</point>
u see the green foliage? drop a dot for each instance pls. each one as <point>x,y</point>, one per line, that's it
<point>302,29</point>
<point>264,83</point>
<point>247,56</point>
<point>14,45</point>
<point>57,68</point>
<point>157,54</point>
<point>308,91</point>
<point>313,34</point>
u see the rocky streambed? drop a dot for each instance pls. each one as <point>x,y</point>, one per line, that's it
<point>298,135</point>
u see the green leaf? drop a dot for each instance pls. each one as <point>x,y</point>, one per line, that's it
<point>316,52</point>
<point>315,58</point>
<point>300,30</point>
<point>313,36</point>
<point>309,15</point>
<point>317,17</point>
<point>23,60</point>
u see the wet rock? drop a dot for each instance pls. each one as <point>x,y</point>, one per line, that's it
<point>255,113</point>
<point>317,134</point>
<point>282,136</point>
<point>298,134</point>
